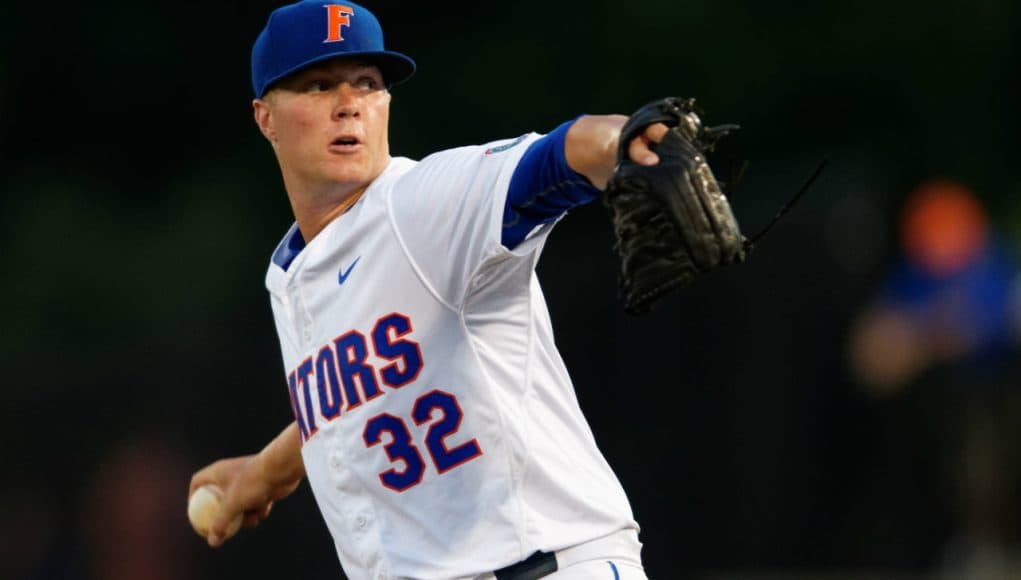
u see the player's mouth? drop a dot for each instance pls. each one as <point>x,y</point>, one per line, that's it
<point>345,144</point>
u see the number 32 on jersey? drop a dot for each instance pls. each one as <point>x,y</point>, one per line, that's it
<point>344,379</point>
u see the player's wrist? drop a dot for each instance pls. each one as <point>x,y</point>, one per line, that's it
<point>276,468</point>
<point>261,468</point>
<point>591,146</point>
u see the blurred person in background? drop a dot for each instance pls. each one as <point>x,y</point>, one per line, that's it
<point>133,523</point>
<point>130,524</point>
<point>945,318</point>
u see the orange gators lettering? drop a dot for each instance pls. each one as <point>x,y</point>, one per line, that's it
<point>337,16</point>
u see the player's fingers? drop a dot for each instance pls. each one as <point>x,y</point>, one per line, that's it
<point>214,539</point>
<point>218,531</point>
<point>656,131</point>
<point>254,516</point>
<point>640,152</point>
<point>224,527</point>
<point>218,473</point>
<point>251,520</point>
<point>640,148</point>
<point>221,473</point>
<point>228,520</point>
<point>200,478</point>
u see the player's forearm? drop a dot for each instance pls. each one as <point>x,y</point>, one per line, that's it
<point>280,461</point>
<point>591,146</point>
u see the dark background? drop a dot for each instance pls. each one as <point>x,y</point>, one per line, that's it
<point>140,206</point>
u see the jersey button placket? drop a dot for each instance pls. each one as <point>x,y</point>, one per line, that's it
<point>303,313</point>
<point>368,544</point>
<point>308,323</point>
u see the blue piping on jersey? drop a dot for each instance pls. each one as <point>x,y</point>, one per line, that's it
<point>542,188</point>
<point>616,575</point>
<point>289,248</point>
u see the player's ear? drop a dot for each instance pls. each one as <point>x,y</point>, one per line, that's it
<point>264,118</point>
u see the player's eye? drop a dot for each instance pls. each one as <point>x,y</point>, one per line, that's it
<point>317,86</point>
<point>367,83</point>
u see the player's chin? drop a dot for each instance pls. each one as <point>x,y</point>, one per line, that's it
<point>347,159</point>
<point>348,172</point>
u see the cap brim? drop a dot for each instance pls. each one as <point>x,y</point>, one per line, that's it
<point>396,67</point>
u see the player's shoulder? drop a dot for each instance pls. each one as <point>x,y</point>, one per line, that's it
<point>467,157</point>
<point>487,149</point>
<point>397,167</point>
<point>447,156</point>
<point>458,171</point>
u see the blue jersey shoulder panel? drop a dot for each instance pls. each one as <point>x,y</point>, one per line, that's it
<point>543,187</point>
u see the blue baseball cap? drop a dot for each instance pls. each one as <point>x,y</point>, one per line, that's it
<point>307,32</point>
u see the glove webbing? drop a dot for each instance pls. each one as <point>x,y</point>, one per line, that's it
<point>750,243</point>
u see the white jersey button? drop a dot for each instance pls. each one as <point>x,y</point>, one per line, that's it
<point>361,521</point>
<point>335,460</point>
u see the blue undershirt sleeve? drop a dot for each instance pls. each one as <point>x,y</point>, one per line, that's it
<point>542,188</point>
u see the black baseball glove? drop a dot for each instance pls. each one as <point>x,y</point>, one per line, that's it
<point>672,220</point>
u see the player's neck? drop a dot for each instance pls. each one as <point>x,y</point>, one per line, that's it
<point>315,211</point>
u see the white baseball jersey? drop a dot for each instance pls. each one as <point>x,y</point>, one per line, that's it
<point>441,434</point>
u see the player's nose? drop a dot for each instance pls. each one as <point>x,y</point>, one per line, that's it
<point>347,102</point>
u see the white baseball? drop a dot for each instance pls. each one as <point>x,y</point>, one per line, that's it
<point>203,507</point>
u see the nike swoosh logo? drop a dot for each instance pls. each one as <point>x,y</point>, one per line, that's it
<point>342,276</point>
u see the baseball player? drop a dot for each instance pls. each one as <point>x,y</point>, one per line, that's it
<point>434,419</point>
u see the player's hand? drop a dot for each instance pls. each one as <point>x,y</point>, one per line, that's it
<point>248,491</point>
<point>640,149</point>
<point>593,142</point>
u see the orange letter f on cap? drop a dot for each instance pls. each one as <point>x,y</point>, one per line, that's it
<point>337,16</point>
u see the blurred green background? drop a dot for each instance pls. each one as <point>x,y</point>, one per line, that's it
<point>140,206</point>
